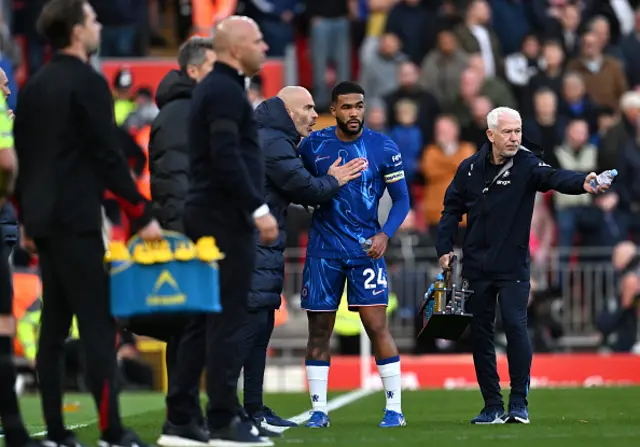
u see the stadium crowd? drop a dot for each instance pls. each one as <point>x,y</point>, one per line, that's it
<point>432,70</point>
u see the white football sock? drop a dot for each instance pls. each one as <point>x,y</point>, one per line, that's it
<point>389,370</point>
<point>317,379</point>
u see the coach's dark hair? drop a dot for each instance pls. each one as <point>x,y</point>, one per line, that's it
<point>193,51</point>
<point>346,88</point>
<point>57,19</point>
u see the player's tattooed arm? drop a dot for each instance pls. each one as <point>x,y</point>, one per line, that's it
<point>320,329</point>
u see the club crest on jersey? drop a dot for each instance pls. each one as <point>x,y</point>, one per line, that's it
<point>394,177</point>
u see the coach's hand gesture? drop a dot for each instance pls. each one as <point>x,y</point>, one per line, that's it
<point>268,228</point>
<point>348,171</point>
<point>151,232</point>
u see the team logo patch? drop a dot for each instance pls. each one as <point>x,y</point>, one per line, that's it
<point>394,177</point>
<point>305,292</point>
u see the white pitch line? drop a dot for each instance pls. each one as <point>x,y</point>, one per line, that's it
<point>333,404</point>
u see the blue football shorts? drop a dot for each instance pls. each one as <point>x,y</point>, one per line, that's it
<point>323,283</point>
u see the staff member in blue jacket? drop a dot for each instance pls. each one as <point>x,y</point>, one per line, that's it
<point>282,122</point>
<point>496,188</point>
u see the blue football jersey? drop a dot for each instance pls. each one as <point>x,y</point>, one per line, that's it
<point>338,225</point>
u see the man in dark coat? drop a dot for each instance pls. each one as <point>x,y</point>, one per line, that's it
<point>169,171</point>
<point>282,122</point>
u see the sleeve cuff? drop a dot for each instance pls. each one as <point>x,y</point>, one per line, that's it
<point>263,210</point>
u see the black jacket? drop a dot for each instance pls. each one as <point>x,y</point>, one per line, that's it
<point>287,181</point>
<point>499,210</point>
<point>68,154</point>
<point>226,168</point>
<point>169,150</point>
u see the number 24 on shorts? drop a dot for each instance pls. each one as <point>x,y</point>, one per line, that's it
<point>370,274</point>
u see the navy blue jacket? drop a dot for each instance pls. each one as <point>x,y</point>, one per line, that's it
<point>287,181</point>
<point>499,210</point>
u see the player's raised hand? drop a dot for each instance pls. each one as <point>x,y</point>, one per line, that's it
<point>378,245</point>
<point>348,171</point>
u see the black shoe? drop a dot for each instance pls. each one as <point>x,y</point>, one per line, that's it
<point>69,440</point>
<point>129,438</point>
<point>238,433</point>
<point>188,435</point>
<point>30,443</point>
<point>263,431</point>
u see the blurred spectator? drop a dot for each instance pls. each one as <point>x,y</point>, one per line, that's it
<point>440,162</point>
<point>521,66</point>
<point>631,52</point>
<point>408,88</point>
<point>472,85</point>
<point>575,214</point>
<point>603,75</point>
<point>376,118</point>
<point>122,102</point>
<point>540,239</point>
<point>378,75</point>
<point>144,113</point>
<point>476,131</point>
<point>441,68</point>
<point>626,129</point>
<point>599,26</point>
<point>330,40</point>
<point>408,136</point>
<point>494,87</point>
<point>121,30</point>
<point>275,19</point>
<point>416,27</point>
<point>565,28</point>
<point>623,321</point>
<point>511,23</point>
<point>476,36</point>
<point>575,103</point>
<point>606,120</point>
<point>550,76</point>
<point>375,24</point>
<point>544,128</point>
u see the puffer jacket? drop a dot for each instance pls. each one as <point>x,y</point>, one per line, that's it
<point>168,150</point>
<point>287,181</point>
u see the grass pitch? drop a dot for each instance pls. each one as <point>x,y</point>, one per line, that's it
<point>572,417</point>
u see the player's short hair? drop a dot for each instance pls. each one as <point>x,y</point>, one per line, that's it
<point>193,51</point>
<point>494,116</point>
<point>57,19</point>
<point>346,88</point>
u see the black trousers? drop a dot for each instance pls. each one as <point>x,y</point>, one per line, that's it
<point>185,363</point>
<point>513,297</point>
<point>258,329</point>
<point>226,347</point>
<point>75,281</point>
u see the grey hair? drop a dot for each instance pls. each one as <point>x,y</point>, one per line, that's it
<point>494,116</point>
<point>193,51</point>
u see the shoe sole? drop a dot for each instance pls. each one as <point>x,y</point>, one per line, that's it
<point>177,441</point>
<point>516,420</point>
<point>223,443</point>
<point>494,422</point>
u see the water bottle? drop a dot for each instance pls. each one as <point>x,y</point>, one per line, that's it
<point>604,178</point>
<point>366,244</point>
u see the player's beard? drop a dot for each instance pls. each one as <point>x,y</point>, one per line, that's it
<point>344,127</point>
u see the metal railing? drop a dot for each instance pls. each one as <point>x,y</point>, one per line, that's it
<point>581,283</point>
